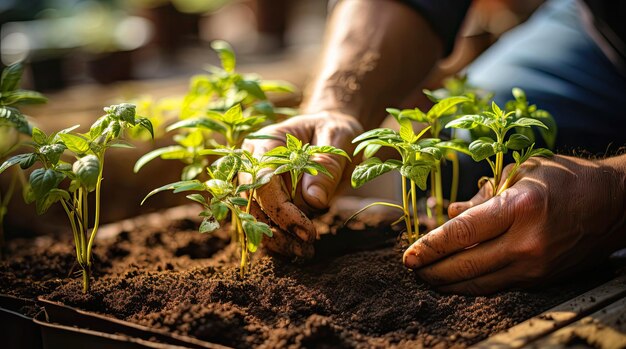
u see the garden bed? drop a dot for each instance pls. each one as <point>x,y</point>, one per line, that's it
<point>158,271</point>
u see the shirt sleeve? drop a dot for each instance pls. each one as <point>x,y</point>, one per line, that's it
<point>444,16</point>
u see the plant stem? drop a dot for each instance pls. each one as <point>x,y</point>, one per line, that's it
<point>243,265</point>
<point>86,275</point>
<point>438,195</point>
<point>497,175</point>
<point>405,208</point>
<point>454,188</point>
<point>250,196</point>
<point>416,221</point>
<point>96,222</point>
<point>77,243</point>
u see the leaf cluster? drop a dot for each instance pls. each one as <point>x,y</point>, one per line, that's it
<point>12,96</point>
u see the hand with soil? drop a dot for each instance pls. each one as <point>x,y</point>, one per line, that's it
<point>560,215</point>
<point>294,233</point>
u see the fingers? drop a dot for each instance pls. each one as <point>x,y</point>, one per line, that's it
<point>484,194</point>
<point>479,223</point>
<point>276,203</point>
<point>282,242</point>
<point>469,264</point>
<point>318,190</point>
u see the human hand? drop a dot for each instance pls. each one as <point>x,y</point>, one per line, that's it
<point>294,233</point>
<point>560,215</point>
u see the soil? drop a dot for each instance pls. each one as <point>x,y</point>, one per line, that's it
<point>355,296</point>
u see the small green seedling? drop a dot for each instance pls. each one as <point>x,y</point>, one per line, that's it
<point>435,118</point>
<point>223,102</point>
<point>296,159</point>
<point>419,157</point>
<point>500,123</point>
<point>12,124</point>
<point>223,197</point>
<point>84,174</point>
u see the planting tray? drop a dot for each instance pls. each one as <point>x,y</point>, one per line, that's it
<point>66,327</point>
<point>16,329</point>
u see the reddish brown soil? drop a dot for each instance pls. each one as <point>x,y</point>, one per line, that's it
<point>175,278</point>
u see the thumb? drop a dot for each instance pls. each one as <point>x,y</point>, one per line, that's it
<point>456,208</point>
<point>317,191</point>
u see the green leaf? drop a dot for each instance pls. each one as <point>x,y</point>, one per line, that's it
<point>177,187</point>
<point>15,117</point>
<point>197,198</point>
<point>261,181</point>
<point>14,160</point>
<point>313,168</point>
<point>75,143</point>
<point>411,114</point>
<point>39,137</point>
<point>444,106</point>
<point>87,170</point>
<point>52,152</point>
<point>254,232</point>
<point>456,145</point>
<point>518,141</point>
<point>23,97</point>
<point>157,153</point>
<point>418,173</point>
<point>543,152</point>
<point>549,134</point>
<point>11,77</point>
<point>54,195</point>
<point>226,54</point>
<point>28,161</point>
<point>239,201</point>
<point>252,87</point>
<point>526,122</point>
<point>496,109</point>
<point>278,151</point>
<point>209,225</point>
<point>372,168</point>
<point>468,122</point>
<point>380,133</point>
<point>519,94</point>
<point>276,86</point>
<point>328,149</point>
<point>226,168</point>
<point>43,180</point>
<point>191,171</point>
<point>219,188</point>
<point>123,112</point>
<point>219,210</point>
<point>200,122</point>
<point>146,124</point>
<point>406,131</point>
<point>482,148</point>
<point>293,143</point>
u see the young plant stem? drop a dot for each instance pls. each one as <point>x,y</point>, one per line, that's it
<point>497,175</point>
<point>243,266</point>
<point>454,188</point>
<point>416,222</point>
<point>407,216</point>
<point>438,194</point>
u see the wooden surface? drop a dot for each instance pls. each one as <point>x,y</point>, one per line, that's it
<point>595,319</point>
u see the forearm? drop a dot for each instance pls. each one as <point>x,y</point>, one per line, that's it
<point>616,193</point>
<point>375,53</point>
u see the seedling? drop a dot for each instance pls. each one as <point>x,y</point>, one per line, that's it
<point>223,194</point>
<point>434,118</point>
<point>500,123</point>
<point>12,124</point>
<point>223,102</point>
<point>296,159</point>
<point>84,174</point>
<point>419,157</point>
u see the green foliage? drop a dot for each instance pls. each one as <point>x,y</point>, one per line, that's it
<point>221,107</point>
<point>296,159</point>
<point>500,122</point>
<point>83,176</point>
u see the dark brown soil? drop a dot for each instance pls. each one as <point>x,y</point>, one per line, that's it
<point>176,278</point>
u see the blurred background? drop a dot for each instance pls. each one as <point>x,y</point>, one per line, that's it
<point>87,54</point>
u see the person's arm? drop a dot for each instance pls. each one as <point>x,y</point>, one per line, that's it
<point>375,52</point>
<point>561,215</point>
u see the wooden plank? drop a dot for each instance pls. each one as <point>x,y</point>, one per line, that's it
<point>605,328</point>
<point>558,317</point>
